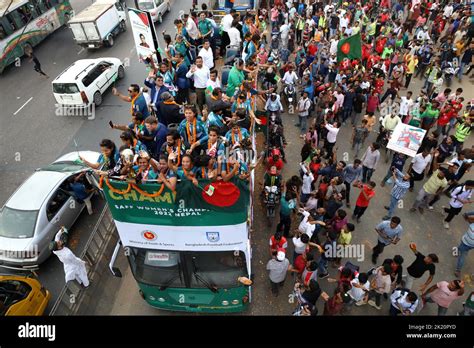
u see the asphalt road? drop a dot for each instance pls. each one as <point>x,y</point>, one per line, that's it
<point>31,135</point>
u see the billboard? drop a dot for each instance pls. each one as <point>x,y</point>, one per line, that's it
<point>144,35</point>
<point>406,139</point>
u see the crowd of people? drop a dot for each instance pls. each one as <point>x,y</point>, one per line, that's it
<point>192,119</point>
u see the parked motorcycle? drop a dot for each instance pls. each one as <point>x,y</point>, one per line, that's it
<point>271,199</point>
<point>449,72</point>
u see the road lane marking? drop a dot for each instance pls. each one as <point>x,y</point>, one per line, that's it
<point>132,49</point>
<point>22,106</point>
<point>80,51</point>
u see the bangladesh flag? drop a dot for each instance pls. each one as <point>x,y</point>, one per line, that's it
<point>349,48</point>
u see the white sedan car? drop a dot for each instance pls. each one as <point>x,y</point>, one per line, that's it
<point>32,216</point>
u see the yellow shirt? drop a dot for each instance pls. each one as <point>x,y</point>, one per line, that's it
<point>434,183</point>
<point>370,122</point>
<point>344,238</point>
<point>412,62</point>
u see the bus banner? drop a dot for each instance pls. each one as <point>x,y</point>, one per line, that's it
<point>227,204</point>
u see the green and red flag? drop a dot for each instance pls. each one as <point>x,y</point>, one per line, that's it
<point>349,48</point>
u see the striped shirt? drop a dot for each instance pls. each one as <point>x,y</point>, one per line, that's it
<point>400,187</point>
<point>468,237</point>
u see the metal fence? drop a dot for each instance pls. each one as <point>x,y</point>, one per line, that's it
<point>72,294</point>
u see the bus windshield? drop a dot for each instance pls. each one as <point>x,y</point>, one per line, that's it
<point>179,269</point>
<point>218,268</point>
<point>157,267</point>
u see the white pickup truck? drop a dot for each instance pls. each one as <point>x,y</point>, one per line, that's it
<point>98,24</point>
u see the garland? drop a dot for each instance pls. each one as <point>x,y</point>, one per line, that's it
<point>192,139</point>
<point>129,188</point>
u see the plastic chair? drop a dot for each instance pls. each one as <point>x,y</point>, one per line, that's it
<point>192,51</point>
<point>225,70</point>
<point>231,55</point>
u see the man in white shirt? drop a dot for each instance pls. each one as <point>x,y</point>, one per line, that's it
<point>370,159</point>
<point>403,302</point>
<point>448,10</point>
<point>333,47</point>
<point>234,35</point>
<point>308,178</point>
<point>406,103</point>
<point>207,55</point>
<point>333,130</point>
<point>459,196</point>
<point>419,167</point>
<point>303,112</point>
<point>290,77</point>
<point>200,74</point>
<point>360,288</point>
<point>227,21</point>
<point>343,22</point>
<point>284,32</point>
<point>191,27</point>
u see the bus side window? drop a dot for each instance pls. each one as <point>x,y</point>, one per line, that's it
<point>11,21</point>
<point>39,6</point>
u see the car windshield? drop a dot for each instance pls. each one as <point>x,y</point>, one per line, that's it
<point>157,267</point>
<point>146,5</point>
<point>17,223</point>
<point>218,268</point>
<point>64,167</point>
<point>65,88</point>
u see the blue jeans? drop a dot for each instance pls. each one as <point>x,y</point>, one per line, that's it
<point>461,70</point>
<point>463,250</point>
<point>392,206</point>
<point>388,176</point>
<point>302,123</point>
<point>366,173</point>
<point>323,266</point>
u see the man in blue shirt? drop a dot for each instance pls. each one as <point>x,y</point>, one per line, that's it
<point>153,136</point>
<point>136,98</point>
<point>400,187</point>
<point>389,232</point>
<point>157,88</point>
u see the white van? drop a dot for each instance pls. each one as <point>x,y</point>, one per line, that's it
<point>84,82</point>
<point>157,8</point>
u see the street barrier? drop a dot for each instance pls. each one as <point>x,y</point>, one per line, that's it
<point>72,294</point>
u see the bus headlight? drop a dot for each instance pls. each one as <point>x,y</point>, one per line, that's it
<point>225,303</point>
<point>152,298</point>
<point>235,302</point>
<point>161,299</point>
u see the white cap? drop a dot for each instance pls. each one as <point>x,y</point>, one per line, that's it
<point>281,256</point>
